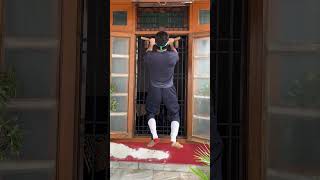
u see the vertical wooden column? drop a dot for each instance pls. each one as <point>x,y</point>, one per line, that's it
<point>256,84</point>
<point>1,33</point>
<point>69,91</point>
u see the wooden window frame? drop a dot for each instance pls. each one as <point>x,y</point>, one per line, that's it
<point>68,81</point>
<point>195,25</point>
<point>190,98</point>
<point>131,85</point>
<point>129,8</point>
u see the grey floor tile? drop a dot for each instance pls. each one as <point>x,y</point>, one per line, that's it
<point>188,176</point>
<point>131,174</point>
<point>151,166</point>
<point>177,167</point>
<point>114,164</point>
<point>128,165</point>
<point>166,175</point>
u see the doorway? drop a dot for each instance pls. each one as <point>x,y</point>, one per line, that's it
<point>142,84</point>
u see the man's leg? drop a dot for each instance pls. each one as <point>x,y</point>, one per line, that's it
<point>152,105</point>
<point>170,100</point>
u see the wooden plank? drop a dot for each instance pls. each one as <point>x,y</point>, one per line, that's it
<point>169,32</point>
<point>1,34</point>
<point>68,92</point>
<point>131,88</point>
<point>118,135</point>
<point>190,88</point>
<point>255,91</point>
<point>27,165</point>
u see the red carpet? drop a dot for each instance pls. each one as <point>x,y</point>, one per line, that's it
<point>176,156</point>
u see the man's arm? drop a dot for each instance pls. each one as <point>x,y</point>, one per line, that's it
<point>152,42</point>
<point>171,42</point>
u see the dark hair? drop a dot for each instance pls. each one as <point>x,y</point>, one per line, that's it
<point>162,38</point>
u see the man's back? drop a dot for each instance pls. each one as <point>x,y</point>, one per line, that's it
<point>161,67</point>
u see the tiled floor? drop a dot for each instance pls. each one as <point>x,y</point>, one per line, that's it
<point>150,171</point>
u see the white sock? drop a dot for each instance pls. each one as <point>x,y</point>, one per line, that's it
<point>174,130</point>
<point>153,128</point>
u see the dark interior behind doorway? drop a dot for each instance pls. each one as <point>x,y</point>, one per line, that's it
<point>142,82</point>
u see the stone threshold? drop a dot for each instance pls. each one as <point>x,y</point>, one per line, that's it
<point>154,166</point>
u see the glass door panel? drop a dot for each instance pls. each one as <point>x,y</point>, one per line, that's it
<point>119,84</point>
<point>201,88</point>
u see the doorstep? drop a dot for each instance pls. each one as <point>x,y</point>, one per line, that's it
<point>151,171</point>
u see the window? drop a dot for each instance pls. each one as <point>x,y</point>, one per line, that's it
<point>119,84</point>
<point>201,90</point>
<point>31,41</point>
<point>169,18</point>
<point>204,17</point>
<point>120,18</point>
<point>292,91</point>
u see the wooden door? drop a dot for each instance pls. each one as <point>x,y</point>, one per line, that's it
<point>199,73</point>
<point>199,88</point>
<point>121,84</point>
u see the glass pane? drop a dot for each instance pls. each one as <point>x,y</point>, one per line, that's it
<point>202,87</point>
<point>32,18</point>
<point>202,66</point>
<point>202,47</point>
<point>119,18</point>
<point>120,46</point>
<point>283,20</point>
<point>35,70</point>
<point>119,103</point>
<point>204,16</point>
<point>120,84</point>
<point>201,127</point>
<point>293,86</point>
<point>201,107</point>
<point>120,65</point>
<point>118,123</point>
<point>38,129</point>
<point>297,86</point>
<point>293,137</point>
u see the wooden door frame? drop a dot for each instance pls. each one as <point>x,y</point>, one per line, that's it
<point>255,108</point>
<point>146,138</point>
<point>69,110</point>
